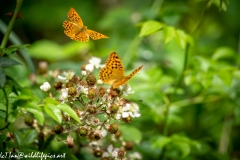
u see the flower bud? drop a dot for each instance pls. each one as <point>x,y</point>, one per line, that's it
<point>127,119</point>
<point>92,93</point>
<point>113,128</point>
<point>121,154</point>
<point>69,84</point>
<point>128,145</point>
<point>118,134</point>
<point>92,109</point>
<point>97,153</point>
<point>114,108</point>
<point>58,85</point>
<point>69,142</point>
<point>58,129</point>
<point>82,131</point>
<point>72,91</point>
<point>101,91</point>
<point>97,135</point>
<point>91,80</point>
<point>74,79</point>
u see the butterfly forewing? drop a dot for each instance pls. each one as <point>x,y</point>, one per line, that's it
<point>74,17</point>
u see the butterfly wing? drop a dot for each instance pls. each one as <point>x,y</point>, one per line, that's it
<point>113,69</point>
<point>74,17</point>
<point>124,80</point>
<point>95,35</point>
<point>74,32</point>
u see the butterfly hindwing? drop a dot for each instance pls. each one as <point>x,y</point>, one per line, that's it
<point>95,35</point>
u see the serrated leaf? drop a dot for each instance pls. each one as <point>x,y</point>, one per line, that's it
<point>66,108</point>
<point>2,78</point>
<point>36,110</point>
<point>150,27</point>
<point>53,111</point>
<point>131,134</point>
<point>7,62</point>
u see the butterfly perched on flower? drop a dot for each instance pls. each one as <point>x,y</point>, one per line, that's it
<point>77,31</point>
<point>113,72</point>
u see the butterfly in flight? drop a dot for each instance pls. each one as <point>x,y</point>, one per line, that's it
<point>77,31</point>
<point>113,72</point>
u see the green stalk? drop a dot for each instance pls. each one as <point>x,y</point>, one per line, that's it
<point>10,26</point>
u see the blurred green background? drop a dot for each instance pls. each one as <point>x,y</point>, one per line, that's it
<point>203,117</point>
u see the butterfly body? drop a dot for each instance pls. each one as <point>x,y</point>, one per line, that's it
<point>77,31</point>
<point>113,72</point>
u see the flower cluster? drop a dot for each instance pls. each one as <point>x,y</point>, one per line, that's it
<point>99,109</point>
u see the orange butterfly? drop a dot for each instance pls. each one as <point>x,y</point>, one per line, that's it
<point>113,72</point>
<point>77,31</point>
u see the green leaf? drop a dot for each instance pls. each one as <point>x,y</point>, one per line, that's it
<point>183,147</point>
<point>23,46</point>
<point>2,78</point>
<point>204,63</point>
<point>29,136</point>
<point>2,114</point>
<point>18,137</point>
<point>131,133</point>
<point>160,141</point>
<point>51,100</point>
<point>36,110</point>
<point>53,111</point>
<point>169,33</point>
<point>182,38</point>
<point>225,76</point>
<point>25,137</point>
<point>7,62</point>
<point>223,53</point>
<point>66,108</point>
<point>150,27</point>
<point>236,74</point>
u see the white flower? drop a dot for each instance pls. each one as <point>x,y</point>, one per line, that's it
<point>89,67</point>
<point>126,90</point>
<point>64,94</point>
<point>95,61</point>
<point>99,81</point>
<point>135,156</point>
<point>67,76</point>
<point>82,89</point>
<point>45,87</point>
<point>113,152</point>
<point>130,109</point>
<point>84,73</point>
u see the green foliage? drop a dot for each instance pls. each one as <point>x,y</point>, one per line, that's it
<point>187,90</point>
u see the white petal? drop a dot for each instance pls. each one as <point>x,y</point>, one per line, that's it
<point>125,114</point>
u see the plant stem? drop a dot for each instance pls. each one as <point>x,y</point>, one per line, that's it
<point>5,94</point>
<point>10,26</point>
